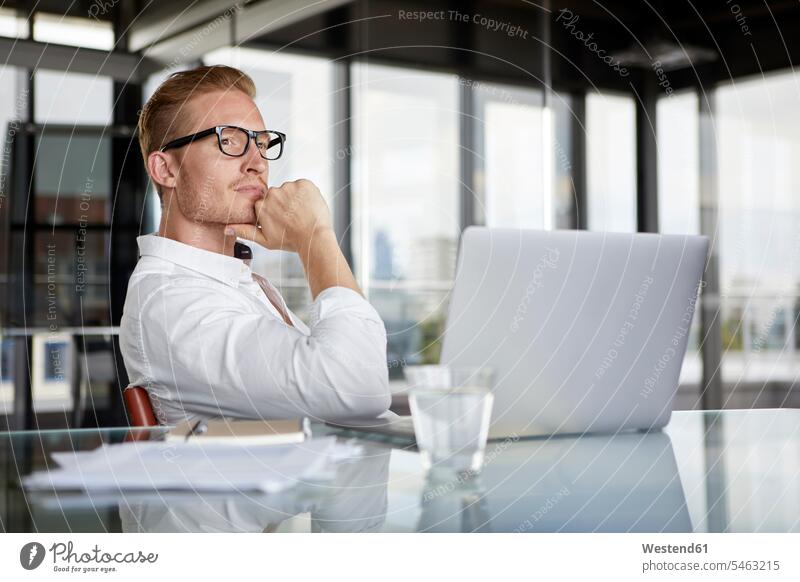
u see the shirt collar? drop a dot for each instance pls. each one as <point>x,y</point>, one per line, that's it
<point>228,270</point>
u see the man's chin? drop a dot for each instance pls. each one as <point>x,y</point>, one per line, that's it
<point>245,216</point>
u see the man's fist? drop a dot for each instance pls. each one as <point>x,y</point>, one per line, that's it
<point>287,218</point>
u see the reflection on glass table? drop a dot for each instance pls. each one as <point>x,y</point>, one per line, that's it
<point>355,501</point>
<point>621,483</point>
<point>730,471</point>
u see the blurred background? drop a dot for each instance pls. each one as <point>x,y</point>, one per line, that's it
<point>415,119</point>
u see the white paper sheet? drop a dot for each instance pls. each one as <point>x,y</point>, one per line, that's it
<point>207,467</point>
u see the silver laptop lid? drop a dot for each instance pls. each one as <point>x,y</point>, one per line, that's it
<point>586,331</point>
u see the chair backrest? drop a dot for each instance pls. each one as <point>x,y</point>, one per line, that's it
<point>140,409</point>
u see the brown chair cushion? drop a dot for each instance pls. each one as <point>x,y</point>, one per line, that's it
<point>140,410</point>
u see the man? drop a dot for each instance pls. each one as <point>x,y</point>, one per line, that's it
<point>200,331</point>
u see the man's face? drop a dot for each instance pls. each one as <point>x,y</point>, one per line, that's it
<point>212,187</point>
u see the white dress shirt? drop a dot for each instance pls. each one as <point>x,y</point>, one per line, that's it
<point>201,336</point>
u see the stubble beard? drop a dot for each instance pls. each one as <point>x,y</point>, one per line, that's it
<point>204,204</point>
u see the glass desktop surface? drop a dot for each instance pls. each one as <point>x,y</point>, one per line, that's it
<point>707,471</point>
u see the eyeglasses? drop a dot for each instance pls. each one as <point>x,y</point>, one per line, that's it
<point>234,141</point>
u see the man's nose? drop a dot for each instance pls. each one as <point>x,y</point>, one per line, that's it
<point>253,160</point>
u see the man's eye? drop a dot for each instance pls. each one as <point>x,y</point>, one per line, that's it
<point>225,141</point>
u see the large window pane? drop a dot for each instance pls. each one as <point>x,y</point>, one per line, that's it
<point>759,220</point>
<point>70,279</point>
<point>72,98</point>
<point>611,162</point>
<point>405,200</point>
<point>508,158</point>
<point>679,207</point>
<point>406,173</point>
<point>73,178</point>
<point>678,164</point>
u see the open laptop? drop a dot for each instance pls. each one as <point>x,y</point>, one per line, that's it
<point>586,331</point>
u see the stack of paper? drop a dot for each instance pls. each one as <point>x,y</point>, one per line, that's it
<point>207,467</point>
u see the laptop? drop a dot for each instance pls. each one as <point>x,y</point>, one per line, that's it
<point>586,331</point>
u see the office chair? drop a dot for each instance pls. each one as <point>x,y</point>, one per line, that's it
<point>140,409</point>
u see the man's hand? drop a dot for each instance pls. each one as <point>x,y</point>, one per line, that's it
<point>288,217</point>
<point>295,218</point>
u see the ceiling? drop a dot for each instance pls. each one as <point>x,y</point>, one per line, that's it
<point>711,42</point>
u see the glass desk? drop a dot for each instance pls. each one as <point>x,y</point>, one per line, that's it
<point>730,471</point>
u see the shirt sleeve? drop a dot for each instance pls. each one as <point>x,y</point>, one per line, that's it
<point>221,357</point>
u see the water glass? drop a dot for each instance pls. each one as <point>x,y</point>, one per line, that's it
<point>451,409</point>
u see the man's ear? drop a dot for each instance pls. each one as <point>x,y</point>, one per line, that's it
<point>162,169</point>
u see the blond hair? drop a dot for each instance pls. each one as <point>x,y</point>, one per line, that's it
<point>160,119</point>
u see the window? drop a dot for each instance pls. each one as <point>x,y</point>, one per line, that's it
<point>611,162</point>
<point>12,25</point>
<point>509,161</point>
<point>73,177</point>
<point>679,206</point>
<point>6,375</point>
<point>83,32</point>
<point>72,98</point>
<point>564,206</point>
<point>758,140</point>
<point>405,202</point>
<point>678,164</point>
<point>70,177</point>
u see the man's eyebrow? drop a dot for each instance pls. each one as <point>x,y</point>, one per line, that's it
<point>242,126</point>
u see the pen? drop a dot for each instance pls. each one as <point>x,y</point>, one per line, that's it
<point>198,428</point>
